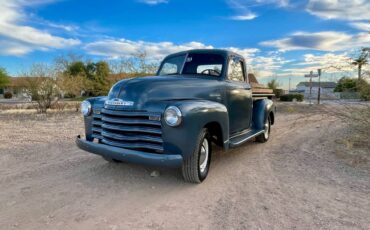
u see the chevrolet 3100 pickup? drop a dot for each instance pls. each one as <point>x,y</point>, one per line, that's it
<point>197,98</point>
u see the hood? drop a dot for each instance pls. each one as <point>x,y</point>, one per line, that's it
<point>143,90</point>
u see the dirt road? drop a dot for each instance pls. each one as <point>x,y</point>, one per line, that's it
<point>294,181</point>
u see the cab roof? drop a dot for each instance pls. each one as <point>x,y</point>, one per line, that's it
<point>224,53</point>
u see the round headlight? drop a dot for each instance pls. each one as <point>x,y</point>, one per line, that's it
<point>173,116</point>
<point>86,108</point>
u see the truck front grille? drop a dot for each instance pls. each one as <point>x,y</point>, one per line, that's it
<point>129,129</point>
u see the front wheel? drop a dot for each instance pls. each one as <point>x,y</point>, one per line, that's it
<point>195,168</point>
<point>266,134</point>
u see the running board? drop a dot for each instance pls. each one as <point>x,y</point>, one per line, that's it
<point>240,139</point>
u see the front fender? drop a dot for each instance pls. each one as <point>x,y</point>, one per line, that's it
<point>261,111</point>
<point>196,115</point>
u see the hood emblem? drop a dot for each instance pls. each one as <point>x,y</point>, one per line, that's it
<point>119,102</point>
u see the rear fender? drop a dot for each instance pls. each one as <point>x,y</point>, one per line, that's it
<point>261,111</point>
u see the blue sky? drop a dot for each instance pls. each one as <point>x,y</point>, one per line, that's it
<point>280,38</point>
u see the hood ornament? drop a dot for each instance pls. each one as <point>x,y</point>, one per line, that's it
<point>119,102</point>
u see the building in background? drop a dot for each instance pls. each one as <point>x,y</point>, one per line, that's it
<point>16,87</point>
<point>327,89</point>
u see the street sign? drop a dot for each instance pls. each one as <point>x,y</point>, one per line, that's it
<point>311,75</point>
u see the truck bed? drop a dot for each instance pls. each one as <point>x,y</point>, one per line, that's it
<point>259,91</point>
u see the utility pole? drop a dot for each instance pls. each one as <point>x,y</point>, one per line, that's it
<point>319,91</point>
<point>311,87</point>
<point>289,85</point>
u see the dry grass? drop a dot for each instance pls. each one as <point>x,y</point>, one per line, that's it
<point>31,107</point>
<point>352,145</point>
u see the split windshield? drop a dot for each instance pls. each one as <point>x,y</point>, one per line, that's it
<point>195,64</point>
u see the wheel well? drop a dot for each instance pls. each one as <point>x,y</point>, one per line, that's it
<point>272,118</point>
<point>215,130</point>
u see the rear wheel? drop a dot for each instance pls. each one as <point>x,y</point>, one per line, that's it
<point>195,168</point>
<point>266,134</point>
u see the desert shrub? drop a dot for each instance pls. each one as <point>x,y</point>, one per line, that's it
<point>60,106</point>
<point>290,97</point>
<point>346,84</point>
<point>364,89</point>
<point>69,95</point>
<point>41,86</point>
<point>8,95</point>
<point>4,78</point>
<point>278,92</point>
<point>349,95</point>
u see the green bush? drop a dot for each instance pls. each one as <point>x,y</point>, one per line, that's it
<point>365,91</point>
<point>290,97</point>
<point>346,84</point>
<point>8,95</point>
<point>278,92</point>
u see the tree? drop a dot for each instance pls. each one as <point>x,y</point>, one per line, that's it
<point>101,85</point>
<point>4,78</point>
<point>41,86</point>
<point>76,68</point>
<point>361,60</point>
<point>72,86</point>
<point>364,89</point>
<point>273,84</point>
<point>346,84</point>
<point>137,65</point>
<point>90,78</point>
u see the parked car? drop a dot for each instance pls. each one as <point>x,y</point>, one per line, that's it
<point>197,98</point>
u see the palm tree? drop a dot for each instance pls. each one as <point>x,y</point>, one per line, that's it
<point>361,61</point>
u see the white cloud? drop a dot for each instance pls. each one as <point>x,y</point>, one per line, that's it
<point>266,66</point>
<point>153,2</point>
<point>115,48</point>
<point>19,39</point>
<point>364,26</point>
<point>324,41</point>
<point>68,28</point>
<point>340,9</point>
<point>8,47</point>
<point>333,65</point>
<point>244,7</point>
<point>248,53</point>
<point>245,17</point>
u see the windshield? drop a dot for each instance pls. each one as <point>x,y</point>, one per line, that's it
<point>195,64</point>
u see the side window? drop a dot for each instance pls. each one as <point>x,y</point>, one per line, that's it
<point>168,68</point>
<point>235,72</point>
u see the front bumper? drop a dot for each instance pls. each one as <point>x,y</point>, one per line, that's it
<point>131,156</point>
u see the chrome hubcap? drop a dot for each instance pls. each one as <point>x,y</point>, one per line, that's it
<point>203,159</point>
<point>267,129</point>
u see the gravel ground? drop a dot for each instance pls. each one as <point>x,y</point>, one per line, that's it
<point>294,181</point>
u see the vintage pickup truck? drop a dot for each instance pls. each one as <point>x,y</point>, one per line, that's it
<point>197,98</point>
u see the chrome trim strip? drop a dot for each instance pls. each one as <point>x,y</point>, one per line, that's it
<point>249,137</point>
<point>245,131</point>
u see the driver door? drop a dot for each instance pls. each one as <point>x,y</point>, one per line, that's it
<point>238,96</point>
